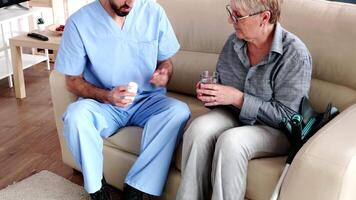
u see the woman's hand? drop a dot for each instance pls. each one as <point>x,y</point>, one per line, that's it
<point>216,94</point>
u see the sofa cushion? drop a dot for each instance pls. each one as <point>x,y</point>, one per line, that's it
<point>201,32</point>
<point>262,176</point>
<point>188,66</point>
<point>328,30</point>
<point>202,28</point>
<point>128,139</point>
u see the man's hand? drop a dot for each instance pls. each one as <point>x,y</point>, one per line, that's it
<point>163,73</point>
<point>118,96</point>
<point>216,94</point>
<point>160,77</point>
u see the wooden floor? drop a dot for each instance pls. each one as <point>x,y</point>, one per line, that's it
<point>28,135</point>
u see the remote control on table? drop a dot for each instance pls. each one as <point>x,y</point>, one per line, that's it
<point>38,36</point>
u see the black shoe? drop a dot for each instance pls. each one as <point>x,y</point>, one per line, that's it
<point>131,193</point>
<point>102,194</point>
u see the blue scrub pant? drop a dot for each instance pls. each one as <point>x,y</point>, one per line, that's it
<point>87,121</point>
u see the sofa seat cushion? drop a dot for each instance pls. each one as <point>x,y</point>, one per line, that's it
<point>128,139</point>
<point>262,177</point>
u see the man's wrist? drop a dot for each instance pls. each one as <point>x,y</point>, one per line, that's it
<point>104,96</point>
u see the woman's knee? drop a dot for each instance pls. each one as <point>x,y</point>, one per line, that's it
<point>232,142</point>
<point>200,130</point>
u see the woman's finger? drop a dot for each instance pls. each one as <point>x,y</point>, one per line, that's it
<point>208,98</point>
<point>209,92</point>
<point>209,86</point>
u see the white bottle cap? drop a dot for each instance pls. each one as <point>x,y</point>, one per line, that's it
<point>132,87</point>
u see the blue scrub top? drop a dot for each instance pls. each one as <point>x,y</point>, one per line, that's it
<point>107,56</point>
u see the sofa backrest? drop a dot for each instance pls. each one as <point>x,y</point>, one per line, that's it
<point>329,31</point>
<point>327,28</point>
<point>202,29</point>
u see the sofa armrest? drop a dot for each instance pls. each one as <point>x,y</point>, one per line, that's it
<point>325,167</point>
<point>61,98</point>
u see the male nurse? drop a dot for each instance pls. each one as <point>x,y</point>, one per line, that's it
<point>105,46</point>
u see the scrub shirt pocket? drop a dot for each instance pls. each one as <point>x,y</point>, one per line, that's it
<point>147,54</point>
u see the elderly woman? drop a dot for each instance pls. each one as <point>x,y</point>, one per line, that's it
<point>264,72</point>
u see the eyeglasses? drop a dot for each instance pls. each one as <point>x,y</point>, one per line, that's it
<point>235,18</point>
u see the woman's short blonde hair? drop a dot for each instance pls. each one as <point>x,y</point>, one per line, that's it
<point>254,6</point>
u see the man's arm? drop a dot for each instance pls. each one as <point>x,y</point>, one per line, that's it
<point>292,83</point>
<point>80,87</point>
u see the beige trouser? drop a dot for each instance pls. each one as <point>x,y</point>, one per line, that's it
<point>216,152</point>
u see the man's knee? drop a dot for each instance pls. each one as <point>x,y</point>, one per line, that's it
<point>77,111</point>
<point>78,115</point>
<point>180,110</point>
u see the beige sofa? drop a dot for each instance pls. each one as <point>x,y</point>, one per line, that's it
<point>325,168</point>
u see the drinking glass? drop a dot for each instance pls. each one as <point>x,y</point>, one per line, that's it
<point>207,77</point>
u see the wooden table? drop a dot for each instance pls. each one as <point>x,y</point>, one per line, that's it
<point>23,41</point>
<point>7,17</point>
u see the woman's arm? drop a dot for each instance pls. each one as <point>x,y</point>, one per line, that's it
<point>290,84</point>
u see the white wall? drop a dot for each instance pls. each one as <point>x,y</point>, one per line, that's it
<point>63,9</point>
<point>75,5</point>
